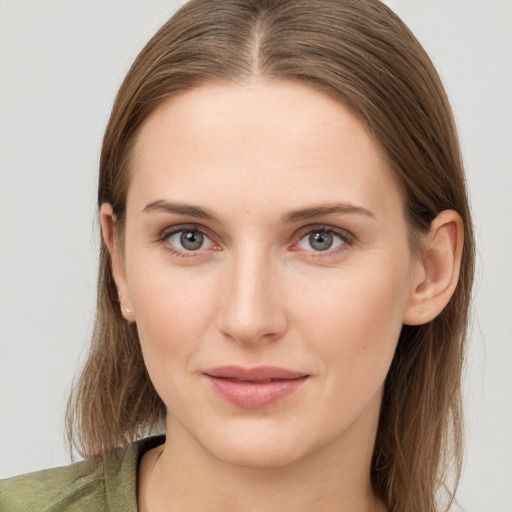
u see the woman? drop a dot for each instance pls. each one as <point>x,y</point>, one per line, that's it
<point>285,272</point>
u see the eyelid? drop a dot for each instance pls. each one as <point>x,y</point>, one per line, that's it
<point>167,232</point>
<point>172,230</point>
<point>345,235</point>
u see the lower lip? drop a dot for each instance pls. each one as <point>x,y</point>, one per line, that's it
<point>255,395</point>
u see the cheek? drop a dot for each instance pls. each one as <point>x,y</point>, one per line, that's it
<point>173,313</point>
<point>354,322</point>
<point>173,308</point>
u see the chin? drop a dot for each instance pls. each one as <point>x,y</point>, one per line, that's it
<point>258,448</point>
<point>258,457</point>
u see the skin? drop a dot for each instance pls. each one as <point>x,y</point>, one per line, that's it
<point>258,293</point>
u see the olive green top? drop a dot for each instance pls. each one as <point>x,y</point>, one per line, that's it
<point>85,486</point>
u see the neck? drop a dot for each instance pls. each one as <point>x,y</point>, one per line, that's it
<point>182,475</point>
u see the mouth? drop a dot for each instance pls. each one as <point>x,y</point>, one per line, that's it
<point>257,374</point>
<point>254,388</point>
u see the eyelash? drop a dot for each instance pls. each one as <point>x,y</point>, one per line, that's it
<point>168,232</point>
<point>346,238</point>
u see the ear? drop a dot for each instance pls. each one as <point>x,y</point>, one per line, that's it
<point>108,230</point>
<point>438,268</point>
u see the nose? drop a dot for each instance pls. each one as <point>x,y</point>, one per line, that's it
<point>252,310</point>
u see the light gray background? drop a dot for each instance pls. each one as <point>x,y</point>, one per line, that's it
<point>61,63</point>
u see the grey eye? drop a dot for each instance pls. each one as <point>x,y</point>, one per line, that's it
<point>189,240</point>
<point>321,240</point>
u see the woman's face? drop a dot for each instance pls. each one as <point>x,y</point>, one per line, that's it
<point>267,265</point>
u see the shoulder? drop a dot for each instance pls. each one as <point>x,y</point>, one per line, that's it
<point>83,486</point>
<point>65,488</point>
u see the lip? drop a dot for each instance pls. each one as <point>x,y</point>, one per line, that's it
<point>254,388</point>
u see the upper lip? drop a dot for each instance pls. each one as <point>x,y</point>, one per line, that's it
<point>258,373</point>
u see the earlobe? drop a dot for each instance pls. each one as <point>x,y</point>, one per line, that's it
<point>108,230</point>
<point>437,271</point>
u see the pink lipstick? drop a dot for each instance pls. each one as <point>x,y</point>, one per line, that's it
<point>254,388</point>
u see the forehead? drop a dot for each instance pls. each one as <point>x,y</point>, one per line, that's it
<point>273,142</point>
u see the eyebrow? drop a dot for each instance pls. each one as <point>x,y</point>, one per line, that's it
<point>180,208</point>
<point>328,209</point>
<point>289,218</point>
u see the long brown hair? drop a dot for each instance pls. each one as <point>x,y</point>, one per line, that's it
<point>360,52</point>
